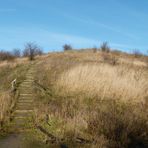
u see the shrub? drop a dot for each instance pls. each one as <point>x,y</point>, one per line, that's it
<point>5,55</point>
<point>105,47</point>
<point>109,58</point>
<point>123,125</point>
<point>67,47</point>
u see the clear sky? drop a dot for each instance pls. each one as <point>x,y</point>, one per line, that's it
<point>81,23</point>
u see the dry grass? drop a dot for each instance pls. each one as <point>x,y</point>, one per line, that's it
<point>85,96</point>
<point>5,102</point>
<point>105,82</point>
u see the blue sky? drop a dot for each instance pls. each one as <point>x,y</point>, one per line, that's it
<point>81,23</point>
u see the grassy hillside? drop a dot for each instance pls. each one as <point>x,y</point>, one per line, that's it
<point>98,97</point>
<point>85,99</point>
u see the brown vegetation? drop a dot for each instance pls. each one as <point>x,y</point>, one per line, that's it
<point>85,99</point>
<point>96,101</point>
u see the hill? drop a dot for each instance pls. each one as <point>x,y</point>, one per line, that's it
<point>81,99</point>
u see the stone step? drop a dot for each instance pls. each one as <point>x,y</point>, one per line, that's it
<point>26,94</point>
<point>30,76</point>
<point>24,107</point>
<point>30,82</point>
<point>20,113</point>
<point>24,111</point>
<point>21,119</point>
<point>26,91</point>
<point>30,79</point>
<point>24,117</point>
<point>26,86</point>
<point>25,101</point>
<point>27,83</point>
<point>31,95</point>
<point>21,124</point>
<point>26,98</point>
<point>27,80</point>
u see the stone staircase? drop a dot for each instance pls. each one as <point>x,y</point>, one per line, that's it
<point>23,112</point>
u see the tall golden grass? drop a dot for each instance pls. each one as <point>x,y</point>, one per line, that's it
<point>105,82</point>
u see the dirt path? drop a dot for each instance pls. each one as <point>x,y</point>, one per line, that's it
<point>22,114</point>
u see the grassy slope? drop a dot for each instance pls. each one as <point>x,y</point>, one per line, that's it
<point>95,96</point>
<point>8,72</point>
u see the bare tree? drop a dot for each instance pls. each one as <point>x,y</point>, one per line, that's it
<point>67,47</point>
<point>31,50</point>
<point>105,47</point>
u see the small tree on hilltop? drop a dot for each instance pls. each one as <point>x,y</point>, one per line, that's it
<point>31,50</point>
<point>67,47</point>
